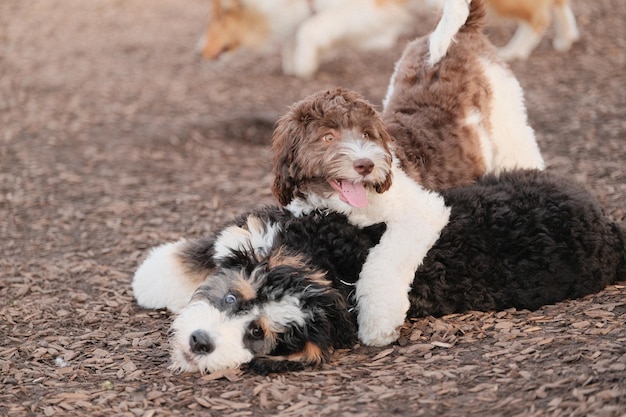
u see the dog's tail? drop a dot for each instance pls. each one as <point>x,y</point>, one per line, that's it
<point>458,16</point>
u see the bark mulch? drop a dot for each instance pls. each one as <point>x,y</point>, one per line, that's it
<point>114,138</point>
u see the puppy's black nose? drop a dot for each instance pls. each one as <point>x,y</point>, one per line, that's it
<point>200,342</point>
<point>363,166</point>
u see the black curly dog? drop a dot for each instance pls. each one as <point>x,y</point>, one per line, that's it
<point>523,240</point>
<point>519,240</point>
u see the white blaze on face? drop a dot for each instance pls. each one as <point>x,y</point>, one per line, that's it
<point>353,147</point>
<point>227,334</point>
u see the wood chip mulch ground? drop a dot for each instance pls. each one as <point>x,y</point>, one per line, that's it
<point>114,138</point>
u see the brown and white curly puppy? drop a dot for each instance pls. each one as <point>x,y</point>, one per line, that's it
<point>332,152</point>
<point>455,108</point>
<point>455,112</point>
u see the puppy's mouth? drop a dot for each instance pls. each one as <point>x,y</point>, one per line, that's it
<point>353,193</point>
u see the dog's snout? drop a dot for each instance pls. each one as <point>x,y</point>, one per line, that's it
<point>364,166</point>
<point>200,342</point>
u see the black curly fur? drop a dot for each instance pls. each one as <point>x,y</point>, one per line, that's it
<point>522,240</point>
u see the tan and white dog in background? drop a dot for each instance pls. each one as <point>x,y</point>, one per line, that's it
<point>533,17</point>
<point>307,30</point>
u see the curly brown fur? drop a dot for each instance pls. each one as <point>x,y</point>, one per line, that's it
<point>442,116</point>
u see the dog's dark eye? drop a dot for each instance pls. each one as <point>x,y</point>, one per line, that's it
<point>256,332</point>
<point>329,137</point>
<point>365,136</point>
<point>230,299</point>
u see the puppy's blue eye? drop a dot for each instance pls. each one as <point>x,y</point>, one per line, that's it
<point>230,299</point>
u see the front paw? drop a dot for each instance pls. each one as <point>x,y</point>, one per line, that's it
<point>382,302</point>
<point>564,43</point>
<point>378,337</point>
<point>162,281</point>
<point>380,326</point>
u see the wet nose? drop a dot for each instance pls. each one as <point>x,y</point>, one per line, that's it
<point>363,166</point>
<point>200,342</point>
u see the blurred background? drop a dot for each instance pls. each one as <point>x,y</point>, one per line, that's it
<point>116,135</point>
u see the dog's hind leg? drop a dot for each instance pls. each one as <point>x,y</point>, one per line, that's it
<point>525,39</point>
<point>513,143</point>
<point>566,31</point>
<point>357,23</point>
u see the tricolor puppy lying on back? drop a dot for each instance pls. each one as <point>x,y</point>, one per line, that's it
<point>277,291</point>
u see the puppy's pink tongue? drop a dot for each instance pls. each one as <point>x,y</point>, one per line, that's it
<point>352,193</point>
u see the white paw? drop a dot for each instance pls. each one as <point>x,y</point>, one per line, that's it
<point>380,319</point>
<point>382,291</point>
<point>378,337</point>
<point>564,44</point>
<point>305,62</point>
<point>510,54</point>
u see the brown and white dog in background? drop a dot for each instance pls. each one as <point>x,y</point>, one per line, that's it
<point>307,30</point>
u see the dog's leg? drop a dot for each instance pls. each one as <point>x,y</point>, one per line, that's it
<point>526,37</point>
<point>512,140</point>
<point>162,281</point>
<point>361,24</point>
<point>288,51</point>
<point>414,219</point>
<point>566,31</point>
<point>313,36</point>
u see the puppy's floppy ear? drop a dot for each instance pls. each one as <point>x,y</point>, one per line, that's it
<point>389,144</point>
<point>198,256</point>
<point>342,327</point>
<point>217,9</point>
<point>330,326</point>
<point>287,133</point>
